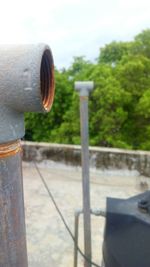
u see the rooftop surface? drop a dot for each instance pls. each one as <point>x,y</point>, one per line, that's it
<point>49,244</point>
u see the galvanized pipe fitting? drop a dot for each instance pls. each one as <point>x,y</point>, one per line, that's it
<point>84,87</point>
<point>26,84</point>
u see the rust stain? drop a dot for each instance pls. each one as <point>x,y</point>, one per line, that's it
<point>10,149</point>
<point>84,98</point>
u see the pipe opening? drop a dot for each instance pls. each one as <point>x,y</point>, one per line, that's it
<point>47,80</point>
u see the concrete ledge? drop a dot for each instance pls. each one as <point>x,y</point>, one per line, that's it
<point>100,158</point>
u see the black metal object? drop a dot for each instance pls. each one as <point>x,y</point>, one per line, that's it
<point>127,232</point>
<point>144,204</point>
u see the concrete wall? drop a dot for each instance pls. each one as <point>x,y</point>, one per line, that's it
<point>100,158</point>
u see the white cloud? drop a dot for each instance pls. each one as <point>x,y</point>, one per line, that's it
<point>72,27</point>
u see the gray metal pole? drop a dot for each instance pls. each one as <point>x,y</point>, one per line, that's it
<point>84,88</point>
<point>85,177</point>
<point>13,252</point>
<point>76,233</point>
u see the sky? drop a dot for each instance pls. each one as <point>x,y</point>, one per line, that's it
<point>72,27</point>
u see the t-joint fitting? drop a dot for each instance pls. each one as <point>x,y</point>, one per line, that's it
<point>84,87</point>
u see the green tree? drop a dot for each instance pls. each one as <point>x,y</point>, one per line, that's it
<point>41,127</point>
<point>69,131</point>
<point>141,44</point>
<point>119,105</point>
<point>107,109</point>
<point>133,74</point>
<point>112,53</point>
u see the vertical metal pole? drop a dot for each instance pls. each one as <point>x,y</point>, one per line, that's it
<point>76,234</point>
<point>84,88</point>
<point>85,178</point>
<point>13,252</point>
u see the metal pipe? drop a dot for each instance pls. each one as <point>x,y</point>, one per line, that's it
<point>84,88</point>
<point>96,212</point>
<point>26,84</point>
<point>12,219</point>
<point>76,234</point>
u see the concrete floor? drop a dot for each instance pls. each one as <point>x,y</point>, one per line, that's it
<point>49,244</point>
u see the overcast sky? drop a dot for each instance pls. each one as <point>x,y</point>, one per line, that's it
<point>72,27</point>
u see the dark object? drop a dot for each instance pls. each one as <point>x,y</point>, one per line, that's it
<point>144,204</point>
<point>127,232</point>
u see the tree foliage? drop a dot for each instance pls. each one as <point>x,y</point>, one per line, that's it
<point>113,52</point>
<point>119,105</point>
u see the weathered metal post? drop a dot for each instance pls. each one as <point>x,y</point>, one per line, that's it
<point>84,88</point>
<point>26,84</point>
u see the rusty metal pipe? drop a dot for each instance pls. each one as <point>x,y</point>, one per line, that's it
<point>12,223</point>
<point>26,84</point>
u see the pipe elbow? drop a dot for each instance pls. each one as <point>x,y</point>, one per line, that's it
<point>26,85</point>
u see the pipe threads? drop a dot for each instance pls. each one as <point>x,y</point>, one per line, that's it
<point>47,80</point>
